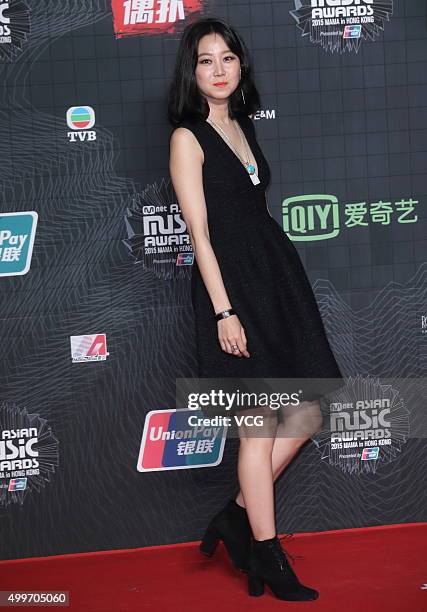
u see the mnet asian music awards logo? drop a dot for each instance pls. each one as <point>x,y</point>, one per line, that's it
<point>29,454</point>
<point>81,119</point>
<point>170,442</point>
<point>14,27</point>
<point>366,425</point>
<point>157,234</point>
<point>5,27</point>
<point>17,234</point>
<point>92,347</point>
<point>341,25</point>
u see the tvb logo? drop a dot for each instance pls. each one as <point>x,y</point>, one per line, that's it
<point>81,120</point>
<point>311,217</point>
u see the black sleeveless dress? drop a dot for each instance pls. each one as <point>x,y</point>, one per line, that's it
<point>262,272</point>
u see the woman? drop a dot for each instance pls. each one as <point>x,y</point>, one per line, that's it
<point>255,312</point>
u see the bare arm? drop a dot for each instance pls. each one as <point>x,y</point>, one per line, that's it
<point>185,166</point>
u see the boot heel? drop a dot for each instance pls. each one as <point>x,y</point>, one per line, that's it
<point>255,586</point>
<point>209,542</point>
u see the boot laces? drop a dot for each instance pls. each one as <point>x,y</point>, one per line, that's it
<point>282,553</point>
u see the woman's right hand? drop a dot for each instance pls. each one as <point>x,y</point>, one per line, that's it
<point>231,333</point>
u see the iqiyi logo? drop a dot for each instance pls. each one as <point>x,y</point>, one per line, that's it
<point>17,232</point>
<point>311,217</point>
<point>317,217</point>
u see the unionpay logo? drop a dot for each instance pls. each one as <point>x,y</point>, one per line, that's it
<point>170,442</point>
<point>352,31</point>
<point>370,453</point>
<point>17,484</point>
<point>17,233</point>
<point>185,259</point>
<point>311,217</point>
<point>92,347</point>
<point>81,120</point>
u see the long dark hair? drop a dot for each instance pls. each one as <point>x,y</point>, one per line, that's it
<point>185,100</point>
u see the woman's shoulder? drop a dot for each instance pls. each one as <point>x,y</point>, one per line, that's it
<point>191,124</point>
<point>183,142</point>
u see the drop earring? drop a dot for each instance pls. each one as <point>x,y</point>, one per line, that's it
<point>241,90</point>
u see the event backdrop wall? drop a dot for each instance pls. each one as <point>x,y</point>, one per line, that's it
<point>95,261</point>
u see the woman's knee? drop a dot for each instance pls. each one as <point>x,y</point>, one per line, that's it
<point>256,446</point>
<point>261,425</point>
<point>302,421</point>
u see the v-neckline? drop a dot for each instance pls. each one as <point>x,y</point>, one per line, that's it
<point>234,154</point>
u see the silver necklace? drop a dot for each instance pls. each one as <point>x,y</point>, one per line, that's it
<point>250,168</point>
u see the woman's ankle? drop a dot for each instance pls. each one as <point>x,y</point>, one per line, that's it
<point>264,538</point>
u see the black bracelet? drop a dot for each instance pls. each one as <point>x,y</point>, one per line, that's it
<point>224,314</point>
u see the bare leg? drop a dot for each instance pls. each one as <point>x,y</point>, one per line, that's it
<point>300,423</point>
<point>255,474</point>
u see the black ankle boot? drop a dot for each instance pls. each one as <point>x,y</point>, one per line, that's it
<point>268,565</point>
<point>231,525</point>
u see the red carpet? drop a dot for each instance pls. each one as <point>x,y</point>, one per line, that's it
<point>383,569</point>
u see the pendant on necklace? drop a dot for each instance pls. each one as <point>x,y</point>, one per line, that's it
<point>251,171</point>
<point>254,179</point>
